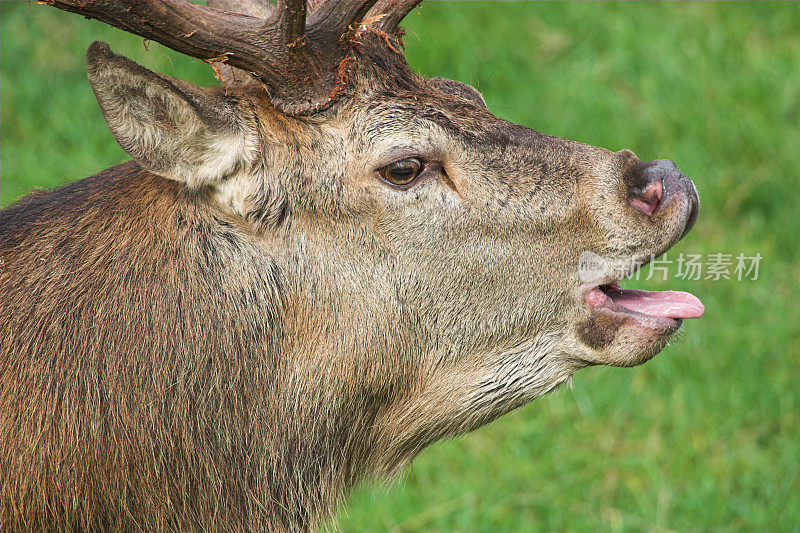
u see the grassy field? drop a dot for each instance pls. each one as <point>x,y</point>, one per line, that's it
<point>703,438</point>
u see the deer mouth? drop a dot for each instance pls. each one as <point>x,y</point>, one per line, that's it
<point>663,310</point>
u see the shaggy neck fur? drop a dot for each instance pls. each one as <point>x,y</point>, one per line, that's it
<point>161,353</point>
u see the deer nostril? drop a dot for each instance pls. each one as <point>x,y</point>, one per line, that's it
<point>647,200</point>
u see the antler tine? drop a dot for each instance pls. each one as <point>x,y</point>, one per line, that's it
<point>191,29</point>
<point>339,19</point>
<point>230,75</point>
<point>392,12</point>
<point>312,5</point>
<point>292,14</point>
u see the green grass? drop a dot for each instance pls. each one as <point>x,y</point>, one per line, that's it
<point>703,438</point>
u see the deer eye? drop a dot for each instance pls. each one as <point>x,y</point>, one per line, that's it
<point>402,173</point>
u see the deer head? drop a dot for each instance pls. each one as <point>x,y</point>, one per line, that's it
<point>428,251</point>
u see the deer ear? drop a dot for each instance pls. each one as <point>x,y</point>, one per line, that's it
<point>172,128</point>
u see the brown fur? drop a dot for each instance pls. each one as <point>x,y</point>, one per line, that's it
<point>236,352</point>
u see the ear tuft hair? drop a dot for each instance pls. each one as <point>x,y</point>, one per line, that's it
<point>98,51</point>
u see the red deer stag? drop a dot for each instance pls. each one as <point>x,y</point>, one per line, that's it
<point>304,277</point>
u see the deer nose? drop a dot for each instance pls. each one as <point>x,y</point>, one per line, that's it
<point>654,183</point>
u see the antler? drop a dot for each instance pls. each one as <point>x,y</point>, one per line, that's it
<point>303,61</point>
<point>391,12</point>
<point>228,74</point>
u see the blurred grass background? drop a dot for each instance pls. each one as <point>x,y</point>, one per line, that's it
<point>703,438</point>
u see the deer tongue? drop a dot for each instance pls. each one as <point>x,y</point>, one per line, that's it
<point>670,304</point>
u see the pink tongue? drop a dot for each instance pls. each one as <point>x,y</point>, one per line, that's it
<point>670,304</point>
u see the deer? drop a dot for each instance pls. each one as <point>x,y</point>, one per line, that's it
<point>304,276</point>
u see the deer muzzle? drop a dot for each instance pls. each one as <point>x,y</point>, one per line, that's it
<point>657,184</point>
